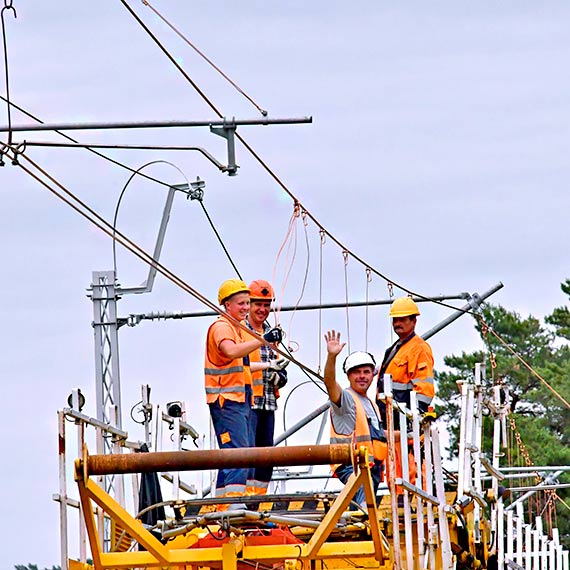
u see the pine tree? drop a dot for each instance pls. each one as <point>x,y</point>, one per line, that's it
<point>539,416</point>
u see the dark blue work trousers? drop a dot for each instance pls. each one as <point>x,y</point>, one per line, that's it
<point>262,427</point>
<point>232,426</point>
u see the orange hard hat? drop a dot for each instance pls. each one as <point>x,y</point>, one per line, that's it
<point>261,290</point>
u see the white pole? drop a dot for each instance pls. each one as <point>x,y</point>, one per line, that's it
<point>519,530</point>
<point>500,536</point>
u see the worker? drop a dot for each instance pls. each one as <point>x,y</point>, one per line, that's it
<point>228,380</point>
<point>409,360</point>
<point>267,379</point>
<point>354,416</point>
<point>410,363</point>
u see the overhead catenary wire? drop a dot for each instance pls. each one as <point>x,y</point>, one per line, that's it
<point>272,174</point>
<point>528,366</point>
<point>216,233</point>
<point>7,7</point>
<point>122,193</point>
<point>96,219</point>
<point>204,57</point>
<point>133,171</point>
<point>95,152</point>
<point>275,177</point>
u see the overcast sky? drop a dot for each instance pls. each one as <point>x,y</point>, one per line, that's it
<point>438,153</point>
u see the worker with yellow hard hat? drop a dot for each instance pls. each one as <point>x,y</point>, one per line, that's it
<point>227,376</point>
<point>268,375</point>
<point>409,360</point>
<point>410,363</point>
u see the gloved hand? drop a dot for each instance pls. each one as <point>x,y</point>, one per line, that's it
<point>279,378</point>
<point>273,335</point>
<point>277,364</point>
<point>282,379</point>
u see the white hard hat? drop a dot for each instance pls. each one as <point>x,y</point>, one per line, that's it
<point>358,358</point>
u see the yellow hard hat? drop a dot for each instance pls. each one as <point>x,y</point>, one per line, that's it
<point>231,287</point>
<point>403,307</point>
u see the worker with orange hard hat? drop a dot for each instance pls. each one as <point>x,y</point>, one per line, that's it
<point>227,374</point>
<point>268,377</point>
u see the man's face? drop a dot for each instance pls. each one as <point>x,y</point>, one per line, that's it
<point>404,326</point>
<point>258,312</point>
<point>360,378</point>
<point>237,306</point>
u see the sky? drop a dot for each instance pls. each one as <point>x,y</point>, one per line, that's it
<point>437,153</point>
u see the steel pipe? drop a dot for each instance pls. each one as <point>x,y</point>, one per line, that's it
<point>135,318</point>
<point>473,304</point>
<point>218,459</point>
<point>153,124</point>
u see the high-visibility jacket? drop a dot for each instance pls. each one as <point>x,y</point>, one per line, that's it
<point>225,379</point>
<point>411,368</point>
<point>257,377</point>
<point>363,433</point>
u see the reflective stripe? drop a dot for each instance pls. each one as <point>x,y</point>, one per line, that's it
<point>234,490</point>
<point>225,389</point>
<point>424,399</point>
<point>423,381</point>
<point>362,438</point>
<point>223,371</point>
<point>401,386</point>
<point>259,485</point>
<point>258,382</point>
<point>341,439</point>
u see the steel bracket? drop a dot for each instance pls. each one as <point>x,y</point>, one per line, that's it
<point>227,131</point>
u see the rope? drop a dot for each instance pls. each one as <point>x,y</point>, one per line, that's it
<point>203,56</point>
<point>305,276</point>
<point>286,241</point>
<point>345,257</point>
<point>320,337</point>
<point>368,280</point>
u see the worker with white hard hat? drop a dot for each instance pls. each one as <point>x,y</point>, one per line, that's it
<point>354,416</point>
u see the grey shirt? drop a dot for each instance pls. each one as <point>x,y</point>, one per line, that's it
<point>343,417</point>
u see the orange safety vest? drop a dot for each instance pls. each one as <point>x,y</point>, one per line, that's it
<point>224,379</point>
<point>377,449</point>
<point>412,369</point>
<point>257,376</point>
